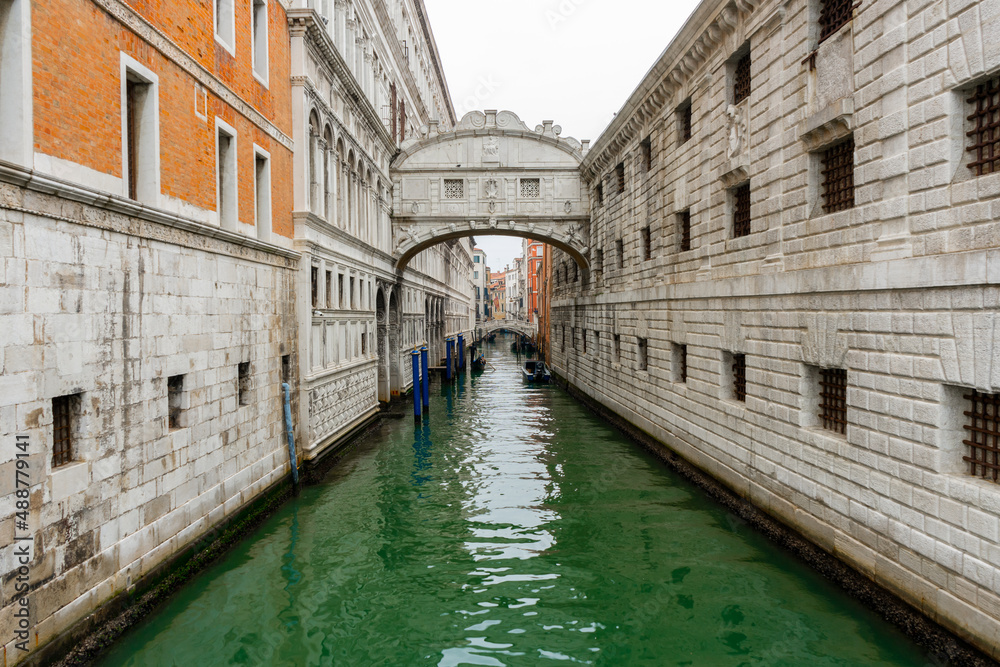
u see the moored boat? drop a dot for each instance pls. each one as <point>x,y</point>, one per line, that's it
<point>535,372</point>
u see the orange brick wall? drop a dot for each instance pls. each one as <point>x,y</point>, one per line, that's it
<point>77,95</point>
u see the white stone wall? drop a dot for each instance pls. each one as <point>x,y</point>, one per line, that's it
<point>901,290</point>
<point>105,306</point>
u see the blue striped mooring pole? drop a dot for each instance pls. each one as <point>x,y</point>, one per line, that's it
<point>427,379</point>
<point>415,362</point>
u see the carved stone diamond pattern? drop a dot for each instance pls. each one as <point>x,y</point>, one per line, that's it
<point>530,188</point>
<point>454,188</point>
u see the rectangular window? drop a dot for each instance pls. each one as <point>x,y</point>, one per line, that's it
<point>741,210</point>
<point>329,289</point>
<point>982,427</point>
<point>572,337</point>
<point>739,371</point>
<point>476,259</point>
<point>454,188</point>
<point>583,340</point>
<point>834,15</point>
<point>647,243</point>
<point>833,399</point>
<point>984,117</point>
<point>617,345</point>
<point>286,369</point>
<point>679,362</point>
<point>475,274</point>
<point>684,121</point>
<point>259,40</point>
<point>262,194</point>
<point>16,129</point>
<point>531,188</point>
<point>140,132</point>
<point>364,343</point>
<point>646,148</point>
<point>340,290</point>
<point>243,383</point>
<point>225,24</point>
<point>600,193</point>
<point>353,301</point>
<point>314,279</point>
<point>620,245</point>
<point>620,176</point>
<point>600,260</point>
<point>684,224</point>
<point>225,165</point>
<point>175,397</point>
<point>741,78</point>
<point>564,337</point>
<point>65,412</point>
<point>838,177</point>
<point>643,361</point>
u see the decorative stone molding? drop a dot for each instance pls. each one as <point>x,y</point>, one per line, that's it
<point>828,125</point>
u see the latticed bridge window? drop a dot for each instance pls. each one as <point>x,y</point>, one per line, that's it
<point>838,177</point>
<point>834,15</point>
<point>530,188</point>
<point>985,133</point>
<point>740,377</point>
<point>833,399</point>
<point>983,435</point>
<point>741,210</point>
<point>454,188</point>
<point>741,79</point>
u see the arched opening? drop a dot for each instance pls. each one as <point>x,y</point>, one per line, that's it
<point>382,346</point>
<point>340,183</point>
<point>392,352</point>
<point>315,163</point>
<point>328,157</point>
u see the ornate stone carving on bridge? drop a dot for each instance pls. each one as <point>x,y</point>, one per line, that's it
<point>490,175</point>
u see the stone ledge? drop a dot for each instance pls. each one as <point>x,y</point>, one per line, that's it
<point>828,125</point>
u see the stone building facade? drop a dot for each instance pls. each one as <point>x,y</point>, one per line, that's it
<point>794,281</point>
<point>194,210</point>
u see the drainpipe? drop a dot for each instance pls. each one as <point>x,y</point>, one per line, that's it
<point>427,379</point>
<point>415,363</point>
<point>292,458</point>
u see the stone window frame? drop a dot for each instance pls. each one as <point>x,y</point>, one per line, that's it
<point>685,121</point>
<point>177,403</point>
<point>260,41</point>
<point>147,144</point>
<point>616,347</point>
<point>620,251</point>
<point>224,24</point>
<point>314,285</point>
<point>525,185</point>
<point>741,56</point>
<point>731,205</point>
<point>679,362</point>
<point>647,242</point>
<point>827,7</point>
<point>66,415</point>
<point>263,202</point>
<point>454,194</point>
<point>641,354</point>
<point>728,386</point>
<point>646,155</point>
<point>820,158</point>
<point>227,176</point>
<point>621,177</point>
<point>16,99</point>
<point>684,236</point>
<point>244,384</point>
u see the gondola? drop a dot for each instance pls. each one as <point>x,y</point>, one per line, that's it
<point>479,364</point>
<point>535,372</point>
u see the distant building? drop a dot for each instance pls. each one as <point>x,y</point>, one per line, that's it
<point>481,282</point>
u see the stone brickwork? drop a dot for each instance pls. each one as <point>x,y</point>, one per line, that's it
<point>109,308</point>
<point>339,403</point>
<point>899,289</point>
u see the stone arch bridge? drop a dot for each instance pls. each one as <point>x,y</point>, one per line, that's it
<point>491,176</point>
<point>514,326</point>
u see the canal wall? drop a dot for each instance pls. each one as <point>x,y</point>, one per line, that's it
<point>809,329</point>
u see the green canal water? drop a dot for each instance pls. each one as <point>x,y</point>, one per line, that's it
<point>511,528</point>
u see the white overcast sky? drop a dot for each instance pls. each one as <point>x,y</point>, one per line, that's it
<point>574,62</point>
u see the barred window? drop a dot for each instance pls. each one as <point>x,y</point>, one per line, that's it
<point>175,395</point>
<point>684,221</point>
<point>741,210</point>
<point>741,79</point>
<point>834,15</point>
<point>838,177</point>
<point>647,243</point>
<point>314,277</point>
<point>530,188</point>
<point>620,175</point>
<point>243,383</point>
<point>600,259</point>
<point>642,361</point>
<point>985,132</point>
<point>620,245</point>
<point>740,377</point>
<point>833,399</point>
<point>684,121</point>
<point>680,363</point>
<point>617,343</point>
<point>646,148</point>
<point>600,193</point>
<point>454,188</point>
<point>983,431</point>
<point>64,412</point>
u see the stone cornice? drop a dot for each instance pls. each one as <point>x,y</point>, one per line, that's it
<point>126,216</point>
<point>696,42</point>
<point>146,31</point>
<point>394,46</point>
<point>436,57</point>
<point>306,23</point>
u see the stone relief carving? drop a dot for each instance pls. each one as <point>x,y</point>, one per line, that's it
<point>492,189</point>
<point>736,130</point>
<point>491,149</point>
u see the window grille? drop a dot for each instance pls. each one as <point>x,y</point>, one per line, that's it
<point>834,15</point>
<point>243,383</point>
<point>530,188</point>
<point>838,177</point>
<point>647,243</point>
<point>62,429</point>
<point>454,188</point>
<point>684,117</point>
<point>983,430</point>
<point>833,399</point>
<point>741,79</point>
<point>620,174</point>
<point>685,223</point>
<point>741,210</point>
<point>985,132</point>
<point>175,392</point>
<point>740,377</point>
